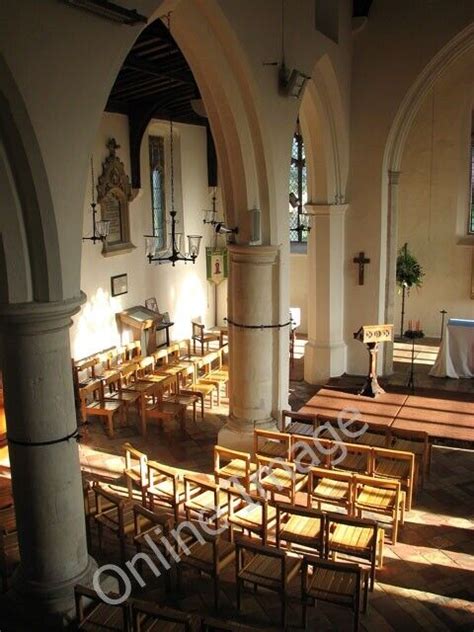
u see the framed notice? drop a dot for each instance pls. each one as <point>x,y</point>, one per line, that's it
<point>119,284</point>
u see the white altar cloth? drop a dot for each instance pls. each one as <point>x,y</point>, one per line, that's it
<point>456,352</point>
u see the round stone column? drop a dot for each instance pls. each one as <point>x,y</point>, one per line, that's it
<point>46,477</point>
<point>254,341</point>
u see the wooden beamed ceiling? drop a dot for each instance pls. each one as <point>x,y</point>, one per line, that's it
<point>155,70</point>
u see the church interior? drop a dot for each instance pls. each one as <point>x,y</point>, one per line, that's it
<point>236,315</point>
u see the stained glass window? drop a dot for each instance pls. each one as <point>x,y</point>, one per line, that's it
<point>157,181</point>
<point>297,190</point>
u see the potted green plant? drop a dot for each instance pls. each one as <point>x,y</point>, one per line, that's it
<point>409,274</point>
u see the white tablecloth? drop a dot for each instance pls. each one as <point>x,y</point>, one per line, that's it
<point>456,353</point>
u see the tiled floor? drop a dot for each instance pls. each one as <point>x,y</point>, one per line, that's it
<point>427,581</point>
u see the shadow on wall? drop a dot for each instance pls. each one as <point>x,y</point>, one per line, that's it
<point>96,327</point>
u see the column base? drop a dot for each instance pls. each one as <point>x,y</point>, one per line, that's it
<point>322,361</point>
<point>31,606</point>
<point>237,434</point>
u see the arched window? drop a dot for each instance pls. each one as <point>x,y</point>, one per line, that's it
<point>157,183</point>
<point>297,191</point>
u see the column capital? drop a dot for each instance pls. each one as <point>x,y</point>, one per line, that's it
<point>324,210</point>
<point>254,254</point>
<point>35,318</point>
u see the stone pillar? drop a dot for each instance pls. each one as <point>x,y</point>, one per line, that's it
<point>391,265</point>
<point>46,477</point>
<point>253,352</point>
<point>325,352</point>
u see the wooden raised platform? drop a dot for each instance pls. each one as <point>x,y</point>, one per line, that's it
<point>440,418</point>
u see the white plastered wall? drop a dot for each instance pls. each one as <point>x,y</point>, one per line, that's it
<point>183,290</point>
<point>434,199</point>
<point>389,55</point>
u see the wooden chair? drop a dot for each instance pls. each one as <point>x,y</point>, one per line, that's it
<point>214,373</point>
<point>187,398</point>
<point>272,444</point>
<point>267,567</point>
<point>250,513</point>
<point>275,476</point>
<point>203,500</point>
<point>395,464</point>
<point>113,390</point>
<point>376,436</point>
<point>93,403</point>
<point>149,529</point>
<point>207,553</point>
<point>202,336</point>
<point>115,514</point>
<point>165,487</point>
<point>335,582</point>
<point>330,487</point>
<point>350,457</point>
<point>298,423</point>
<point>149,617</point>
<point>417,442</point>
<point>355,537</point>
<point>133,350</point>
<point>94,614</point>
<point>239,469</point>
<point>308,451</point>
<point>136,470</point>
<point>380,496</point>
<point>165,411</point>
<point>301,527</point>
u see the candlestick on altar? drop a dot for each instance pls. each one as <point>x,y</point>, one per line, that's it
<point>443,313</point>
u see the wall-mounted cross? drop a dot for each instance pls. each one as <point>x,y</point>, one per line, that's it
<point>361,260</point>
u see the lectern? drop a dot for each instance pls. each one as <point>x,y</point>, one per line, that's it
<point>143,321</point>
<point>371,335</point>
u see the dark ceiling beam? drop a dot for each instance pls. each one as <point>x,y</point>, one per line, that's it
<point>361,8</point>
<point>135,63</point>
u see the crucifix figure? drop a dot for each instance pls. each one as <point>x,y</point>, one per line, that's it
<point>361,260</point>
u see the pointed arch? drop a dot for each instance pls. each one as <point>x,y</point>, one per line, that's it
<point>36,245</point>
<point>398,134</point>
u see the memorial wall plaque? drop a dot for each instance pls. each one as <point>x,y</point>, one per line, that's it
<point>114,194</point>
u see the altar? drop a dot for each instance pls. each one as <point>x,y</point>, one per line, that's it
<point>456,353</point>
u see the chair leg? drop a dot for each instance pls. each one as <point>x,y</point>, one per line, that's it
<point>238,593</point>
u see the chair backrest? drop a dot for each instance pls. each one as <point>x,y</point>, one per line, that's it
<point>91,392</point>
<point>345,455</point>
<point>129,373</point>
<point>226,454</point>
<point>161,355</point>
<point>113,382</point>
<point>360,481</point>
<point>281,443</point>
<point>152,614</point>
<point>333,520</point>
<point>287,510</point>
<point>159,472</point>
<point>134,349</point>
<point>146,366</point>
<point>310,452</point>
<point>194,486</point>
<point>318,473</point>
<point>289,417</point>
<point>394,455</point>
<point>342,568</point>
<point>197,329</point>
<point>144,519</point>
<point>134,457</point>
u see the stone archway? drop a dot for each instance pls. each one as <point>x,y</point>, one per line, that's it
<point>326,142</point>
<point>394,147</point>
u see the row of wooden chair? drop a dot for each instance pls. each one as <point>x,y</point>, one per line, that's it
<point>162,485</point>
<point>375,435</point>
<point>306,451</point>
<point>170,381</point>
<point>273,568</point>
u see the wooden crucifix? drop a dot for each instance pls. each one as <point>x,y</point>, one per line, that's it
<point>361,260</point>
